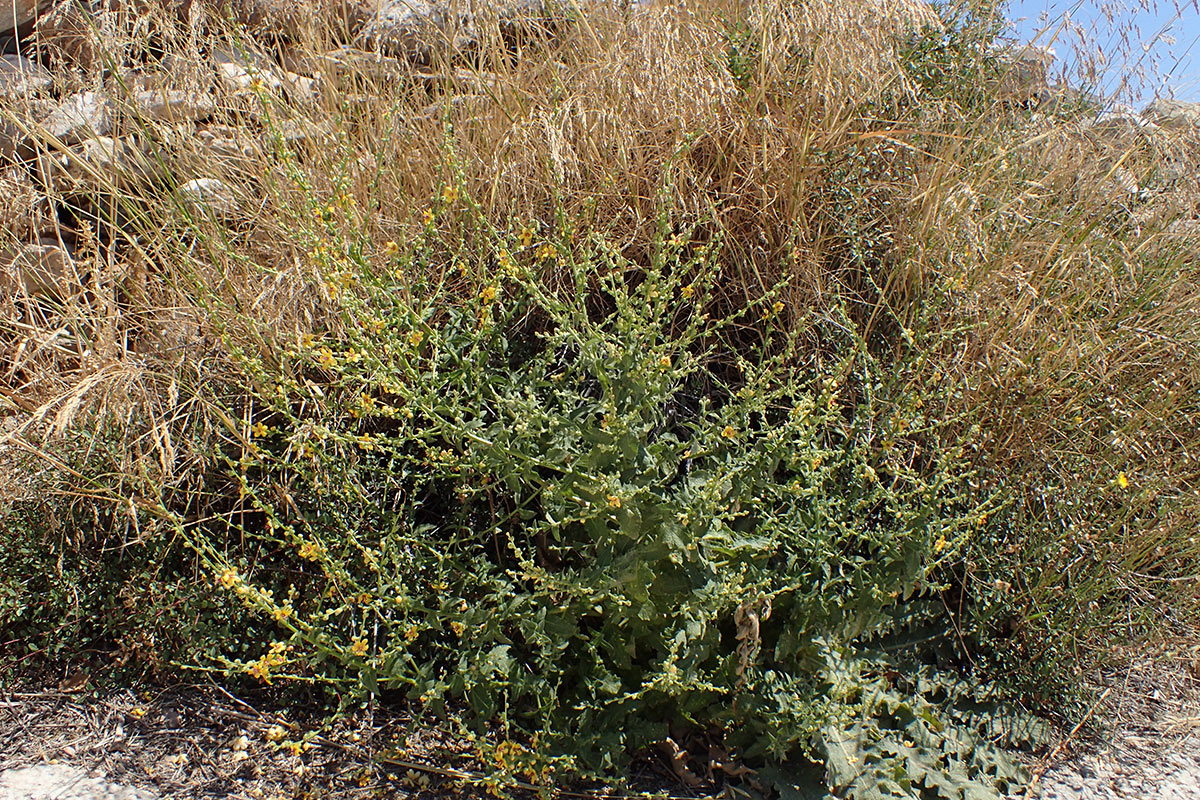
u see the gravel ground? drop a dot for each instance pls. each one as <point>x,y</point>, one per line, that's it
<point>194,743</point>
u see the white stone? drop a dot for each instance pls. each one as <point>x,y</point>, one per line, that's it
<point>20,76</point>
<point>101,161</point>
<point>173,105</point>
<point>81,116</point>
<point>1173,113</point>
<point>419,30</point>
<point>210,195</point>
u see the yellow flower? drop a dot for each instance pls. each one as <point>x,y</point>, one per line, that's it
<point>325,357</point>
<point>526,236</point>
<point>449,194</point>
<point>275,733</point>
<point>676,240</point>
<point>310,551</point>
<point>261,670</point>
<point>351,356</point>
<point>427,216</point>
<point>1122,480</point>
<point>940,544</point>
<point>259,430</point>
<point>358,647</point>
<point>391,249</point>
<point>778,307</point>
<point>729,433</point>
<point>665,362</point>
<point>280,613</point>
<point>546,251</point>
<point>307,341</point>
<point>687,291</point>
<point>614,501</point>
<point>487,294</point>
<point>366,442</point>
<point>415,338</point>
<point>229,578</point>
<point>410,633</point>
<point>504,262</point>
<point>137,712</point>
<point>278,655</point>
<point>457,627</point>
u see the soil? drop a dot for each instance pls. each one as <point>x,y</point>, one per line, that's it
<point>204,741</point>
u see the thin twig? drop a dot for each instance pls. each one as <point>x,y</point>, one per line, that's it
<point>1037,775</point>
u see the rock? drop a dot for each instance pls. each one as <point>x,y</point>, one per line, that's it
<point>174,105</point>
<point>44,269</point>
<point>23,209</point>
<point>348,61</point>
<point>66,34</point>
<point>225,143</point>
<point>239,71</point>
<point>211,196</point>
<point>62,782</point>
<point>294,18</point>
<point>81,116</point>
<point>102,162</point>
<point>1121,123</point>
<point>1024,72</point>
<point>420,30</point>
<point>300,131</point>
<point>21,119</point>
<point>14,13</point>
<point>20,76</point>
<point>1173,114</point>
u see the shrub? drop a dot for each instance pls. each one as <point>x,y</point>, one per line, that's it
<point>595,511</point>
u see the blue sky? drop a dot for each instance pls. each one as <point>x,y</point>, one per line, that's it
<point>1163,55</point>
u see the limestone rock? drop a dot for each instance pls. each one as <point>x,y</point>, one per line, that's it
<point>293,18</point>
<point>1173,114</point>
<point>81,116</point>
<point>238,71</point>
<point>1119,124</point>
<point>100,162</point>
<point>224,143</point>
<point>67,34</point>
<point>14,13</point>
<point>45,269</point>
<point>174,105</point>
<point>23,209</point>
<point>1025,72</point>
<point>21,118</point>
<point>211,196</point>
<point>20,76</point>
<point>420,30</point>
